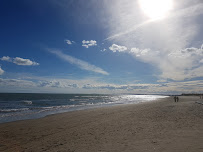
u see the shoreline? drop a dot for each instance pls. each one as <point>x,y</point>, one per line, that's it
<point>82,109</point>
<point>161,125</point>
<point>32,112</point>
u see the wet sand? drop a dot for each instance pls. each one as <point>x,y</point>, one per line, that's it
<point>160,126</point>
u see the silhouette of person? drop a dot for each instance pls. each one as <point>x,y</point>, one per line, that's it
<point>175,98</point>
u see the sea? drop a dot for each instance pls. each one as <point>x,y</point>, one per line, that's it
<point>21,106</point>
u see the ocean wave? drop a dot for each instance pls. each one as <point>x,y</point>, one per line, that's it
<point>82,99</point>
<point>13,110</point>
<point>94,96</point>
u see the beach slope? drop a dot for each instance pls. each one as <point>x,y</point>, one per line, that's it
<point>159,126</point>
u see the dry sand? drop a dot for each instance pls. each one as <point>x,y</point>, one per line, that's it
<point>160,126</point>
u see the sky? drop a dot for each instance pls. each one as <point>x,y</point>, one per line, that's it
<point>101,46</point>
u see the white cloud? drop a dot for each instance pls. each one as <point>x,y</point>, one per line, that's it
<point>177,65</point>
<point>94,85</point>
<point>139,53</point>
<point>117,48</point>
<point>57,84</point>
<point>103,50</point>
<point>1,71</point>
<point>162,88</point>
<point>146,55</point>
<point>21,61</point>
<point>183,64</point>
<point>87,44</point>
<point>80,63</point>
<point>195,86</point>
<point>6,58</point>
<point>116,87</point>
<point>69,42</point>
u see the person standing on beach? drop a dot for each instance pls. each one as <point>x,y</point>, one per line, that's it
<point>175,98</point>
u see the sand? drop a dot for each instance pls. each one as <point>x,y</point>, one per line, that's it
<point>160,126</point>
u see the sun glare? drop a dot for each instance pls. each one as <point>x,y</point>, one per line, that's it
<point>156,9</point>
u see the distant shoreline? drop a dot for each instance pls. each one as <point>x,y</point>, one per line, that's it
<point>181,94</point>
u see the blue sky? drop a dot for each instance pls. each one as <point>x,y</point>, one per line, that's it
<point>117,46</point>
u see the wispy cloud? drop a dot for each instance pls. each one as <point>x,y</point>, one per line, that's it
<point>80,63</point>
<point>136,27</point>
<point>87,44</point>
<point>19,61</point>
<point>1,71</point>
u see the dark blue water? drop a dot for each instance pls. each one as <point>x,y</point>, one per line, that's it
<point>31,106</point>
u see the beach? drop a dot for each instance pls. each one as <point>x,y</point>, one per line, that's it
<point>160,126</point>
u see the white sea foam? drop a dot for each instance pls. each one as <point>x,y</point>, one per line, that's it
<point>13,110</point>
<point>94,96</point>
<point>27,102</point>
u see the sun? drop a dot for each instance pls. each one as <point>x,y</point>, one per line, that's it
<point>156,9</point>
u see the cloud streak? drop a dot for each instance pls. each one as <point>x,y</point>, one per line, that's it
<point>79,63</point>
<point>136,27</point>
